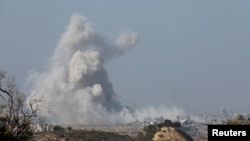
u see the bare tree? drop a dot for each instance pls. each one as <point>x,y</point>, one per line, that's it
<point>16,115</point>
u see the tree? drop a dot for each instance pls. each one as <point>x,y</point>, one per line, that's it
<point>169,123</point>
<point>16,115</point>
<point>58,128</point>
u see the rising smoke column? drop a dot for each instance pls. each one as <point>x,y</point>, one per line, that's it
<point>76,84</point>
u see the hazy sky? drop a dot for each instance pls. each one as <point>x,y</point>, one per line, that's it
<point>192,54</point>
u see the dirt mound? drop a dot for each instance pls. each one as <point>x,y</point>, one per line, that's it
<point>170,133</point>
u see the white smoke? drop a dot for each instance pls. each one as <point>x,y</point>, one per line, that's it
<point>76,83</point>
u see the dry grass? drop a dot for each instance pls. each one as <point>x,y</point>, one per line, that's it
<point>200,139</point>
<point>170,134</point>
<point>80,136</point>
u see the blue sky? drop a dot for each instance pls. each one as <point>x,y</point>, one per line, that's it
<point>192,54</point>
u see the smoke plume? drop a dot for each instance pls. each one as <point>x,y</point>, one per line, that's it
<point>76,83</point>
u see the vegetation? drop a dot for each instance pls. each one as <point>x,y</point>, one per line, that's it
<point>69,128</point>
<point>240,120</point>
<point>15,115</point>
<point>82,135</point>
<point>152,129</point>
<point>58,128</point>
<point>169,123</point>
<point>170,134</point>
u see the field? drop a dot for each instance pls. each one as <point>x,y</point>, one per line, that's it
<point>96,132</point>
<point>131,130</point>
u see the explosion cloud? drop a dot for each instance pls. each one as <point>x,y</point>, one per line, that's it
<point>76,83</point>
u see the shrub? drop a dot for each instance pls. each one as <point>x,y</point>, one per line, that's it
<point>58,128</point>
<point>240,120</point>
